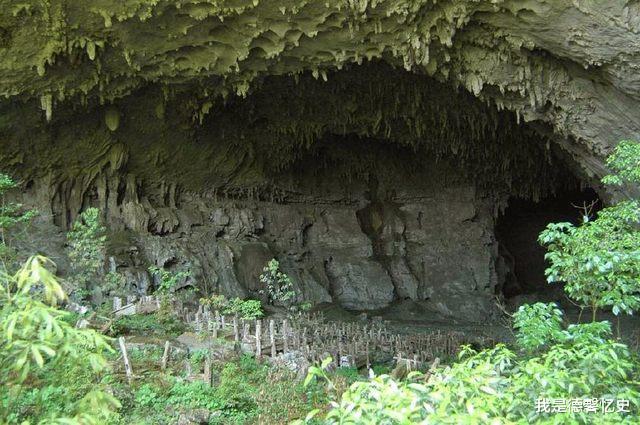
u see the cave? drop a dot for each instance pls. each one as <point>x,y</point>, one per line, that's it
<point>373,188</point>
<point>384,152</point>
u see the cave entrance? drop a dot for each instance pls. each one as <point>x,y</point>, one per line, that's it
<point>517,231</point>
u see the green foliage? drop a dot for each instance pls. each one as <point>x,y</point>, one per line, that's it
<point>625,163</point>
<point>11,215</point>
<point>42,356</point>
<point>87,242</point>
<point>599,261</point>
<point>215,302</point>
<point>538,325</point>
<point>168,280</point>
<point>278,286</point>
<point>114,284</point>
<point>148,396</point>
<point>147,324</point>
<point>244,392</point>
<point>499,386</point>
<point>245,309</point>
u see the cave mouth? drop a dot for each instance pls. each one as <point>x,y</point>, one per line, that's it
<point>374,186</point>
<point>517,229</point>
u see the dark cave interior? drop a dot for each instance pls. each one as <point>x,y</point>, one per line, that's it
<point>517,231</point>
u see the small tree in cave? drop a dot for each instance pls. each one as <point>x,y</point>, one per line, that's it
<point>599,260</point>
<point>11,215</point>
<point>167,283</point>
<point>278,286</point>
<point>87,244</point>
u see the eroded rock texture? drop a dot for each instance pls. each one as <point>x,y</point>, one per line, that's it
<point>368,144</point>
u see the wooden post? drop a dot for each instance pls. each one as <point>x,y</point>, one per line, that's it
<point>272,337</point>
<point>187,368</point>
<point>236,335</point>
<point>207,369</point>
<point>165,355</point>
<point>305,344</point>
<point>125,358</point>
<point>245,330</point>
<point>258,338</point>
<point>367,354</point>
<point>285,337</point>
<point>117,303</point>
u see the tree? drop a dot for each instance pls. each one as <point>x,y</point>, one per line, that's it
<point>42,354</point>
<point>11,214</point>
<point>87,244</point>
<point>599,260</point>
<point>278,286</point>
<point>245,309</point>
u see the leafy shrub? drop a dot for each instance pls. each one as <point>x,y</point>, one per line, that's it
<point>215,302</point>
<point>87,243</point>
<point>148,396</point>
<point>11,215</point>
<point>245,309</point>
<point>599,261</point>
<point>47,366</point>
<point>538,324</point>
<point>168,280</point>
<point>147,324</point>
<point>278,286</point>
<point>196,394</point>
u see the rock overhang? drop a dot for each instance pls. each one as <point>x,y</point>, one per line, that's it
<point>572,65</point>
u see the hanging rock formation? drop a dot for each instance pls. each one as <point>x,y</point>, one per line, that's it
<point>367,144</point>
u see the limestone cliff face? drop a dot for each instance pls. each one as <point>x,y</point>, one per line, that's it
<point>368,144</point>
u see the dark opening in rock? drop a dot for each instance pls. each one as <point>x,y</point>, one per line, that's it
<point>517,233</point>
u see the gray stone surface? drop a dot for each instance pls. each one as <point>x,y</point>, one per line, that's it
<point>438,248</point>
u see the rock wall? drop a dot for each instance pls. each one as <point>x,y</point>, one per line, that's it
<point>363,251</point>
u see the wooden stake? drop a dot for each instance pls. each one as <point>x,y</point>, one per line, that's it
<point>165,355</point>
<point>187,368</point>
<point>125,358</point>
<point>207,369</point>
<point>258,338</point>
<point>272,337</point>
<point>236,335</point>
<point>285,336</point>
